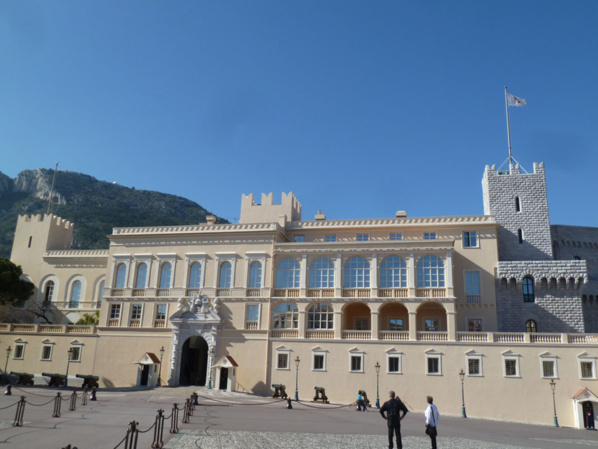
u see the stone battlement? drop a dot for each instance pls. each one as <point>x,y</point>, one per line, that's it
<point>289,209</point>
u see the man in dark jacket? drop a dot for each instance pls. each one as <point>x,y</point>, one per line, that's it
<point>393,408</point>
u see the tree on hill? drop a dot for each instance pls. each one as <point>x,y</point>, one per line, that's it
<point>14,291</point>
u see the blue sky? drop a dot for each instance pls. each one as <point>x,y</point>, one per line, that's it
<point>360,108</point>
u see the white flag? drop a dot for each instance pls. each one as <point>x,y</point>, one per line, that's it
<point>512,100</point>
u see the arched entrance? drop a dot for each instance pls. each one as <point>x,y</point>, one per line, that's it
<point>194,362</point>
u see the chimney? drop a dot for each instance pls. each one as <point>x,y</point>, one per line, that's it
<point>401,214</point>
<point>320,216</point>
<point>211,219</point>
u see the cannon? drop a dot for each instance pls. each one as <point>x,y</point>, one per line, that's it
<point>89,380</point>
<point>279,391</point>
<point>320,395</point>
<point>56,380</point>
<point>23,378</point>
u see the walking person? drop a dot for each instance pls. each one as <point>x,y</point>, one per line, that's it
<point>432,416</point>
<point>361,403</point>
<point>393,408</point>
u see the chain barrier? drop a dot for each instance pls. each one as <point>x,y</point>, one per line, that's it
<point>132,436</point>
<point>57,403</point>
<point>40,405</point>
<point>158,442</point>
<point>18,422</point>
<point>240,403</point>
<point>186,413</point>
<point>9,406</point>
<point>73,406</point>
<point>174,420</point>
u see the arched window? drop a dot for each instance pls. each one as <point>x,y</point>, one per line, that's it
<point>75,295</point>
<point>528,289</point>
<point>430,272</point>
<point>100,294</point>
<point>285,316</point>
<point>321,273</point>
<point>320,316</point>
<point>121,272</point>
<point>357,273</point>
<point>194,275</point>
<point>255,275</point>
<point>165,275</point>
<point>141,276</point>
<point>288,273</point>
<point>530,326</point>
<point>48,292</point>
<point>393,273</point>
<point>224,275</point>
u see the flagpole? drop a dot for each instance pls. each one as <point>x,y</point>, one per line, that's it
<point>508,128</point>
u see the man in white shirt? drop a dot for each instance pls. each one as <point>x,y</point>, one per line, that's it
<point>432,417</point>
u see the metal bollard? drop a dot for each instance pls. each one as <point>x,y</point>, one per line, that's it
<point>18,422</point>
<point>93,394</point>
<point>159,431</point>
<point>174,419</point>
<point>73,405</point>
<point>195,399</point>
<point>57,403</point>
<point>8,391</point>
<point>84,397</point>
<point>132,436</point>
<point>289,404</point>
<point>186,412</point>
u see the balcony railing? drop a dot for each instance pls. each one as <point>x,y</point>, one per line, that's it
<point>286,292</point>
<point>473,299</point>
<point>138,292</point>
<point>254,292</point>
<point>192,291</point>
<point>432,336</point>
<point>472,337</point>
<point>251,325</point>
<point>392,292</point>
<point>320,293</point>
<point>394,335</point>
<point>163,292</point>
<point>509,337</point>
<point>159,323</point>
<point>284,333</point>
<point>117,292</point>
<point>545,338</point>
<point>430,292</point>
<point>357,335</point>
<point>113,322</point>
<point>135,323</point>
<point>320,334</point>
<point>356,292</point>
<point>223,292</point>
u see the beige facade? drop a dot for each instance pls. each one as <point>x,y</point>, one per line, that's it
<point>416,295</point>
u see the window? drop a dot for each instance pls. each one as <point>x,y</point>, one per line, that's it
<point>224,275</point>
<point>49,292</point>
<point>528,289</point>
<point>470,239</point>
<point>474,365</point>
<point>321,273</point>
<point>165,275</point>
<point>362,324</point>
<point>474,325</point>
<point>195,276</point>
<point>19,353</point>
<point>429,236</point>
<point>320,316</point>
<point>357,273</point>
<point>299,238</point>
<point>356,363</point>
<point>288,273</point>
<point>433,365</point>
<point>47,352</point>
<point>549,368</point>
<point>161,312</point>
<point>282,359</point>
<point>115,311</point>
<point>100,293</point>
<point>517,204</point>
<point>75,353</point>
<point>530,326</point>
<point>511,366</point>
<point>393,273</point>
<point>121,273</point>
<point>395,324</point>
<point>394,363</point>
<point>430,272</point>
<point>136,310</point>
<point>472,286</point>
<point>252,316</point>
<point>318,361</point>
<point>363,237</point>
<point>396,236</point>
<point>587,369</point>
<point>141,276</point>
<point>520,236</point>
<point>431,325</point>
<point>75,294</point>
<point>330,238</point>
<point>285,316</point>
<point>255,275</point>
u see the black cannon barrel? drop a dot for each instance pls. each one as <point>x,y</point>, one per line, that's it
<point>87,376</point>
<point>54,375</point>
<point>279,386</point>
<point>20,374</point>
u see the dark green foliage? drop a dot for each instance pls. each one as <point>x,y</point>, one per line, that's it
<point>95,207</point>
<point>13,290</point>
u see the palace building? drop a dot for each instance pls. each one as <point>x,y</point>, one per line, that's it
<point>401,303</point>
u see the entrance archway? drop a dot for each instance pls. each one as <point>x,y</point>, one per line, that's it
<point>194,362</point>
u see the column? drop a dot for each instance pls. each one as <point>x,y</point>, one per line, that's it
<point>338,324</point>
<point>412,322</point>
<point>303,277</point>
<point>449,274</point>
<point>374,275</point>
<point>451,326</point>
<point>337,276</point>
<point>375,325</point>
<point>302,321</point>
<point>411,275</point>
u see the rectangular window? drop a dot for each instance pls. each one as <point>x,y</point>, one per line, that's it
<point>396,236</point>
<point>75,353</point>
<point>299,238</point>
<point>474,366</point>
<point>472,286</point>
<point>429,236</point>
<point>586,368</point>
<point>433,365</point>
<point>470,239</point>
<point>19,353</point>
<point>330,238</point>
<point>356,363</point>
<point>47,352</point>
<point>161,312</point>
<point>431,325</point>
<point>363,237</point>
<point>394,364</point>
<point>548,368</point>
<point>362,324</point>
<point>474,325</point>
<point>136,310</point>
<point>115,311</point>
<point>252,316</point>
<point>318,362</point>
<point>395,324</point>
<point>282,360</point>
<point>511,367</point>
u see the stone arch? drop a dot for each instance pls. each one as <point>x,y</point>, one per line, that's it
<point>431,311</point>
<point>356,315</point>
<point>389,316</point>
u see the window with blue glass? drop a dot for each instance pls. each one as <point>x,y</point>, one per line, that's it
<point>470,239</point>
<point>100,294</point>
<point>225,275</point>
<point>141,276</point>
<point>255,275</point>
<point>528,289</point>
<point>75,294</point>
<point>429,236</point>
<point>330,238</point>
<point>396,236</point>
<point>472,286</point>
<point>393,273</point>
<point>430,272</point>
<point>285,316</point>
<point>363,237</point>
<point>121,273</point>
<point>321,273</point>
<point>320,316</point>
<point>195,275</point>
<point>288,272</point>
<point>357,273</point>
<point>299,238</point>
<point>165,274</point>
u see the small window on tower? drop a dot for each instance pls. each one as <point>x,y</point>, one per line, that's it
<point>517,204</point>
<point>30,239</point>
<point>520,236</point>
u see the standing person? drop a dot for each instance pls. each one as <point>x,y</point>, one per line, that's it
<point>393,408</point>
<point>432,417</point>
<point>361,403</point>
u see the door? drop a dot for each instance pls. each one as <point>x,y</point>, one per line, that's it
<point>194,362</point>
<point>144,375</point>
<point>223,379</point>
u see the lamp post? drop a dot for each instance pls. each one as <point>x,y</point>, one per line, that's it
<point>377,366</point>
<point>462,376</point>
<point>297,361</point>
<point>552,387</point>
<point>212,351</point>
<point>160,372</point>
<point>68,362</point>
<point>7,356</point>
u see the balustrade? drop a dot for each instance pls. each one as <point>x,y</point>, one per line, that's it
<point>432,336</point>
<point>394,335</point>
<point>356,335</point>
<point>284,333</point>
<point>320,334</point>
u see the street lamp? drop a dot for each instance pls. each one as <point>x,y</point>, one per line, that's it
<point>462,376</point>
<point>297,361</point>
<point>66,379</point>
<point>5,375</point>
<point>377,366</point>
<point>553,386</point>
<point>160,372</point>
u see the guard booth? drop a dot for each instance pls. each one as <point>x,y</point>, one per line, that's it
<point>226,373</point>
<point>149,369</point>
<point>585,407</point>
